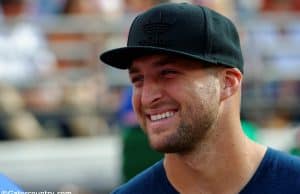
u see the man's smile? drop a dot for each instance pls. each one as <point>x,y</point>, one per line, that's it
<point>157,117</point>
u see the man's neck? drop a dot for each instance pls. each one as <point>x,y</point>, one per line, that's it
<point>218,165</point>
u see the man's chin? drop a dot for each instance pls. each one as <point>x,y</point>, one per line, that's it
<point>158,146</point>
<point>164,148</point>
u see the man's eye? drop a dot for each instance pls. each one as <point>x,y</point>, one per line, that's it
<point>137,79</point>
<point>168,72</point>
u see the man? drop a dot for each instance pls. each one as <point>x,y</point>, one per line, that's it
<point>186,67</point>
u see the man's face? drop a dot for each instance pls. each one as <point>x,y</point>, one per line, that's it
<point>176,101</point>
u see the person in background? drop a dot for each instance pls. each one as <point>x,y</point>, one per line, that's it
<point>6,185</point>
<point>24,52</point>
<point>186,67</point>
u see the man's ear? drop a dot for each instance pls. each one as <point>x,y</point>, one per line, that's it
<point>231,81</point>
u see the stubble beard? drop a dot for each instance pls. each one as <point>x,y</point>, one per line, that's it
<point>193,128</point>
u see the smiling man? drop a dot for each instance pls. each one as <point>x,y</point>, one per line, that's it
<point>164,100</point>
<point>186,68</point>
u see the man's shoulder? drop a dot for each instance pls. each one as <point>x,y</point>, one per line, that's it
<point>7,185</point>
<point>278,172</point>
<point>280,167</point>
<point>285,162</point>
<point>147,182</point>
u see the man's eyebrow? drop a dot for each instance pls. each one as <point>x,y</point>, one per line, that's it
<point>160,62</point>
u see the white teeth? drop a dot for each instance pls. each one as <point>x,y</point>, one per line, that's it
<point>161,116</point>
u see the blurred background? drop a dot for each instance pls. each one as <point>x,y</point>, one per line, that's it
<point>66,119</point>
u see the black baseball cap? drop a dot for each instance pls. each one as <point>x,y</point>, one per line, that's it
<point>182,29</point>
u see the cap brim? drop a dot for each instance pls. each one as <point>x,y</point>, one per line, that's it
<point>122,57</point>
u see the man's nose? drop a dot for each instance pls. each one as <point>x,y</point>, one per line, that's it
<point>152,92</point>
